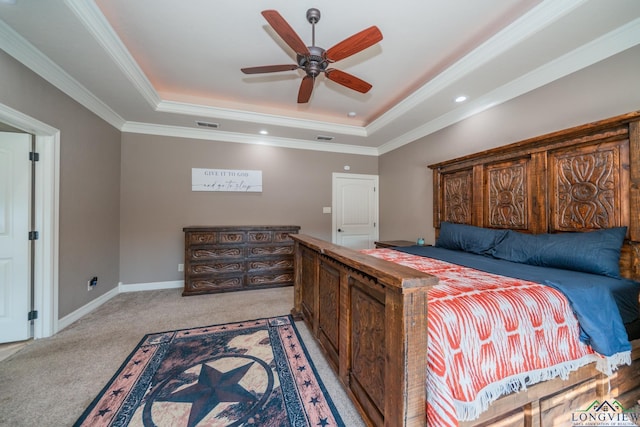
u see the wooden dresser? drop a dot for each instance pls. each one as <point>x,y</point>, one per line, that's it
<point>235,258</point>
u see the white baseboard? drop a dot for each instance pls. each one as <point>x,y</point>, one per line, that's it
<point>121,288</point>
<point>152,286</point>
<point>86,309</point>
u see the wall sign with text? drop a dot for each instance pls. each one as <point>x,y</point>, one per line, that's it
<point>226,180</point>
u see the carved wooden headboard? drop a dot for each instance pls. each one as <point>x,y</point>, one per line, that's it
<point>579,179</point>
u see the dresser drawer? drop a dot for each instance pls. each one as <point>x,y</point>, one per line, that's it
<point>231,237</point>
<point>219,283</point>
<point>260,236</point>
<point>202,238</point>
<point>273,278</point>
<point>216,267</point>
<point>269,264</point>
<point>263,250</point>
<point>214,252</point>
<point>282,236</point>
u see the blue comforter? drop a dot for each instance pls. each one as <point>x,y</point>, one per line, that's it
<point>601,304</point>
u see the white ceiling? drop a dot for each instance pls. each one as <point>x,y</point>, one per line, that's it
<point>158,66</point>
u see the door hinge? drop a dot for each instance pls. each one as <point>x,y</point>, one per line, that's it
<point>34,157</point>
<point>34,235</point>
<point>32,315</point>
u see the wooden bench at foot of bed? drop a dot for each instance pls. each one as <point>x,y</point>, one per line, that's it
<point>370,318</point>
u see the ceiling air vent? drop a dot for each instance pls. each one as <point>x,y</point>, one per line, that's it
<point>208,125</point>
<point>324,138</point>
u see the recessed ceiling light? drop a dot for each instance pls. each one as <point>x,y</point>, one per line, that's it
<point>461,98</point>
<point>264,132</point>
<point>351,114</point>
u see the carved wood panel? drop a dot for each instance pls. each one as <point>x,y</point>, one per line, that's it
<point>589,187</point>
<point>329,316</point>
<point>457,196</point>
<point>308,277</point>
<point>368,344</point>
<point>508,195</point>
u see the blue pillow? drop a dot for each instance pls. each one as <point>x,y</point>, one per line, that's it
<point>468,238</point>
<point>596,252</point>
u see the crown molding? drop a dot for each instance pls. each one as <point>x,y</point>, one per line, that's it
<point>233,137</point>
<point>532,22</point>
<point>27,54</point>
<point>94,21</point>
<point>610,44</point>
<point>267,119</point>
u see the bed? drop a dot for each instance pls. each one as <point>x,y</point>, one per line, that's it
<point>370,314</point>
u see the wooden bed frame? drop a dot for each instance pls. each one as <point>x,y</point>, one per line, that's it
<point>369,315</point>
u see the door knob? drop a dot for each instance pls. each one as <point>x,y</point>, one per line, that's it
<point>339,230</point>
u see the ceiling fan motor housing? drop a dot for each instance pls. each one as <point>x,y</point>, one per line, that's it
<point>315,63</point>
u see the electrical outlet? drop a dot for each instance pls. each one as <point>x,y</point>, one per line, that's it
<point>92,283</point>
<point>180,267</point>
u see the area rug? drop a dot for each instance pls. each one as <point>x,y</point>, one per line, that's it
<point>254,373</point>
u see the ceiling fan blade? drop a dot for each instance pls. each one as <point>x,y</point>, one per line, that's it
<point>269,69</point>
<point>354,44</point>
<point>306,87</point>
<point>285,31</point>
<point>347,80</point>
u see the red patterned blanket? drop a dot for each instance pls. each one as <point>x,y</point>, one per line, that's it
<point>490,335</point>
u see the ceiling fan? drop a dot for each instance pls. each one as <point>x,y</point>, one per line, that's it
<point>314,59</point>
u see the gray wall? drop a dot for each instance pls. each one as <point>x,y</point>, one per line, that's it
<point>601,91</point>
<point>89,183</point>
<point>157,201</point>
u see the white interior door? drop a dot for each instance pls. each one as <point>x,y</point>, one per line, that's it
<point>355,210</point>
<point>15,196</point>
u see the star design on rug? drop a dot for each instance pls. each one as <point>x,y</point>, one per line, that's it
<point>117,392</point>
<point>103,412</point>
<point>323,422</point>
<point>212,388</point>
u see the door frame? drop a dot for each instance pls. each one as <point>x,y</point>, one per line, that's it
<point>46,210</point>
<point>334,197</point>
